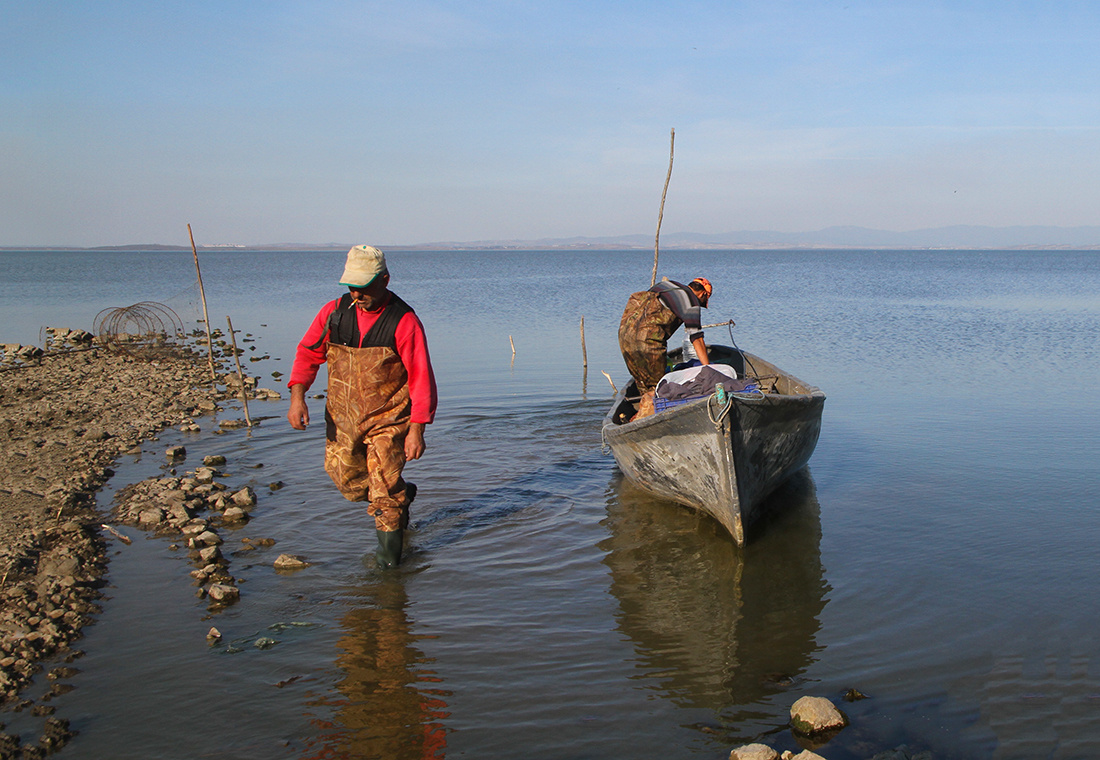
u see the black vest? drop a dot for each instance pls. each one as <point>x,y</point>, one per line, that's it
<point>343,325</point>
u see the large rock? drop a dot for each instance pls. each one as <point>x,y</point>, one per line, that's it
<point>234,515</point>
<point>813,715</point>
<point>290,562</point>
<point>151,517</point>
<point>224,593</point>
<point>245,497</point>
<point>208,538</point>
<point>754,752</point>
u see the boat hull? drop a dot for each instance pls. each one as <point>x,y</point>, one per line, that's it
<point>722,460</point>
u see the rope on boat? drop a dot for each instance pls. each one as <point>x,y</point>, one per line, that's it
<point>724,411</point>
<point>757,395</point>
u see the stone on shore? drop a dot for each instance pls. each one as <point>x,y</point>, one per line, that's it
<point>65,416</point>
<point>223,593</point>
<point>151,517</point>
<point>754,752</point>
<point>245,497</point>
<point>813,715</point>
<point>290,562</point>
<point>233,515</point>
<point>207,538</point>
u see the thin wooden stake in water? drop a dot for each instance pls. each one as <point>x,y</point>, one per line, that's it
<point>240,374</point>
<point>116,534</point>
<point>610,381</point>
<point>205,315</point>
<point>661,213</point>
<point>584,351</point>
<point>512,344</point>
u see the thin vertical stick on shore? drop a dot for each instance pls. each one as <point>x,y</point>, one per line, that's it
<point>584,351</point>
<point>205,315</point>
<point>661,213</point>
<point>240,374</point>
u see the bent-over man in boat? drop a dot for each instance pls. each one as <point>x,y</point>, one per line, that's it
<point>649,320</point>
<point>381,394</point>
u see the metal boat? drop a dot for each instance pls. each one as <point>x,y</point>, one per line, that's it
<point>723,457</point>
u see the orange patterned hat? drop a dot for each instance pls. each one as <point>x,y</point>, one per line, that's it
<point>704,283</point>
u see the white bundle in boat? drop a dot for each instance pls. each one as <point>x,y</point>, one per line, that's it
<point>693,382</point>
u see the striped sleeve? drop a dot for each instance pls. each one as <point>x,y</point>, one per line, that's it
<point>683,302</point>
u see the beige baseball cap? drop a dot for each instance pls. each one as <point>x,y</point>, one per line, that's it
<point>364,264</point>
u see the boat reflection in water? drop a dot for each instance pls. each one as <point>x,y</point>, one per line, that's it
<point>715,626</point>
<point>388,707</point>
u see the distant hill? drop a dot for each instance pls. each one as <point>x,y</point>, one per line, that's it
<point>956,237</point>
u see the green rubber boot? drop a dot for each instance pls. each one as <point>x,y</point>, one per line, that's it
<point>389,548</point>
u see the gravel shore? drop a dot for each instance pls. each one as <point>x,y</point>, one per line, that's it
<point>64,419</point>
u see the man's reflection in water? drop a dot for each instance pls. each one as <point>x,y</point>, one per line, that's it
<point>388,708</point>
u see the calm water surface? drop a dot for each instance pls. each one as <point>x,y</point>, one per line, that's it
<point>939,554</point>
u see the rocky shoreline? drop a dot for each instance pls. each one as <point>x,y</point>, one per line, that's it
<point>66,414</point>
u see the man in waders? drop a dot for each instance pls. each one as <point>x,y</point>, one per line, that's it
<point>381,394</point>
<point>649,320</point>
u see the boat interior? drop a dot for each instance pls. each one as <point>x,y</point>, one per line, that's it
<point>771,380</point>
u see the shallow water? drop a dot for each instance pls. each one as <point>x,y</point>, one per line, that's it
<point>938,555</point>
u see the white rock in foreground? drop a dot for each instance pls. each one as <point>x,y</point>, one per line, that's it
<point>812,715</point>
<point>754,752</point>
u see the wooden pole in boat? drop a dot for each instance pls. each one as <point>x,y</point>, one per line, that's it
<point>584,351</point>
<point>240,374</point>
<point>202,295</point>
<point>661,213</point>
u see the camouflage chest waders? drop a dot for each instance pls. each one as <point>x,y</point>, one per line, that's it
<point>366,422</point>
<point>646,326</point>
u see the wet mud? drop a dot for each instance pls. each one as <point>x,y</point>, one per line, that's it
<point>65,417</point>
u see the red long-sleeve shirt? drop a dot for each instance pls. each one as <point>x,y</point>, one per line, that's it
<point>412,347</point>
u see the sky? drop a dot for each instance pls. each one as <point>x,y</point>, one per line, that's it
<point>402,123</point>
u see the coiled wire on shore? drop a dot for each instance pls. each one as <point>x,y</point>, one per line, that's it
<point>146,330</point>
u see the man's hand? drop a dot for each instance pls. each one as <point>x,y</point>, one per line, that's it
<point>414,441</point>
<point>701,350</point>
<point>298,416</point>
